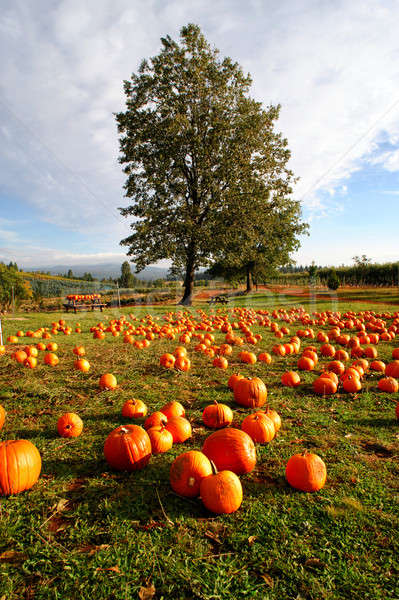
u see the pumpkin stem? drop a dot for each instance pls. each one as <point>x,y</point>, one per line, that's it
<point>123,430</point>
<point>214,468</point>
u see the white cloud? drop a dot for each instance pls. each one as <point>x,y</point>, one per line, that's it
<point>332,66</point>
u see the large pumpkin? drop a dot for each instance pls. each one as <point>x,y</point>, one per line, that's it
<point>306,472</point>
<point>187,472</point>
<point>20,466</point>
<point>128,448</point>
<point>231,449</point>
<point>250,392</point>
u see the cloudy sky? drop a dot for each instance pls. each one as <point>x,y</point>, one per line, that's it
<point>333,66</point>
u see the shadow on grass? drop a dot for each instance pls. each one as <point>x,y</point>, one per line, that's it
<point>389,423</point>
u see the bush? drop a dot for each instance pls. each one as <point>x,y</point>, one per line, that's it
<point>333,280</point>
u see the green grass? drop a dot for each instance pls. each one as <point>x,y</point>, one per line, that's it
<point>84,531</point>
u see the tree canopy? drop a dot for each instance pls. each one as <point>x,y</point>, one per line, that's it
<point>201,159</point>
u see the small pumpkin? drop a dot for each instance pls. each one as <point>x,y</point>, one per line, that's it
<point>128,448</point>
<point>259,427</point>
<point>156,418</point>
<point>187,472</point>
<point>217,415</point>
<point>233,379</point>
<point>221,492</point>
<point>167,360</point>
<point>231,449</point>
<point>134,409</point>
<point>51,359</point>
<point>161,439</point>
<point>173,409</point>
<point>182,363</point>
<point>180,428</point>
<point>389,385</point>
<point>250,393</point>
<point>324,386</point>
<point>290,379</point>
<point>20,466</point>
<point>81,364</point>
<point>69,425</point>
<point>2,416</point>
<point>108,382</point>
<point>306,472</point>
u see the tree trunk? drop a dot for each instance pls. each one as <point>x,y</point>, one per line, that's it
<point>250,285</point>
<point>188,282</point>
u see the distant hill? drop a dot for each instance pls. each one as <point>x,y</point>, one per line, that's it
<point>100,271</point>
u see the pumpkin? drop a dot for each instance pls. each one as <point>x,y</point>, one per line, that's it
<point>127,448</point>
<point>220,362</point>
<point>79,350</point>
<point>290,379</point>
<point>221,493</point>
<point>233,379</point>
<point>341,355</point>
<point>20,356</point>
<point>305,363</point>
<point>306,472</point>
<point>259,427</point>
<point>156,418</point>
<point>134,409</point>
<point>30,362</point>
<point>107,382</point>
<point>20,466</point>
<point>351,384</point>
<point>180,429</point>
<point>336,366</point>
<point>389,385</point>
<point>69,425</point>
<point>51,359</point>
<point>274,416</point>
<point>324,385</point>
<point>250,392</point>
<point>180,351</point>
<point>2,416</point>
<point>247,357</point>
<point>265,357</point>
<point>81,364</point>
<point>327,350</point>
<point>187,472</point>
<point>167,360</point>
<point>182,363</point>
<point>173,409</point>
<point>217,415</point>
<point>377,365</point>
<point>392,369</point>
<point>231,449</point>
<point>161,439</point>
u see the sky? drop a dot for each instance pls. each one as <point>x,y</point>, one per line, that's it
<point>333,67</point>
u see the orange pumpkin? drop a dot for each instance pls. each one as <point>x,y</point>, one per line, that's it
<point>51,359</point>
<point>2,417</point>
<point>167,360</point>
<point>20,356</point>
<point>324,386</point>
<point>161,439</point>
<point>305,363</point>
<point>81,364</point>
<point>250,392</point>
<point>69,425</point>
<point>231,449</point>
<point>247,357</point>
<point>173,409</point>
<point>20,466</point>
<point>259,427</point>
<point>187,472</point>
<point>108,382</point>
<point>221,492</point>
<point>351,384</point>
<point>233,379</point>
<point>306,472</point>
<point>182,363</point>
<point>290,379</point>
<point>377,365</point>
<point>217,415</point>
<point>156,418</point>
<point>265,357</point>
<point>389,385</point>
<point>220,362</point>
<point>128,448</point>
<point>134,409</point>
<point>180,428</point>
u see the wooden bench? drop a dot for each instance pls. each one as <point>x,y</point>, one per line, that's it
<point>218,300</point>
<point>79,306</point>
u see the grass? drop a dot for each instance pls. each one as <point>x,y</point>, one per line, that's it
<point>84,531</point>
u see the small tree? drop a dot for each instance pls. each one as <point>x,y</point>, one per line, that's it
<point>126,279</point>
<point>333,280</point>
<point>312,270</point>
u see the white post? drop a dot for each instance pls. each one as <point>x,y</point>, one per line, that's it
<point>119,297</point>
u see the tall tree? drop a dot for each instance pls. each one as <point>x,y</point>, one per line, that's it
<point>194,145</point>
<point>126,279</point>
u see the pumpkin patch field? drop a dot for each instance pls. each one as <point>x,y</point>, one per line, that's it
<point>236,452</point>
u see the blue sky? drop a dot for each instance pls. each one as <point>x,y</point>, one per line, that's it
<point>333,66</point>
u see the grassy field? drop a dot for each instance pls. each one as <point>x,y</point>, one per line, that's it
<point>85,531</point>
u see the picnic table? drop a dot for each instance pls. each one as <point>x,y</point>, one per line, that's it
<point>220,299</point>
<point>77,302</point>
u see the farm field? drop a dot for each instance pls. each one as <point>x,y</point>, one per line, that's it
<point>85,530</point>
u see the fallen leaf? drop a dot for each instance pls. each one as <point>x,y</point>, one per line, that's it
<point>314,563</point>
<point>114,569</point>
<point>268,580</point>
<point>297,441</point>
<point>252,539</point>
<point>146,593</point>
<point>61,505</point>
<point>91,549</point>
<point>12,556</point>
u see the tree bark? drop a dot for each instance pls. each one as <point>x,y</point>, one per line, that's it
<point>250,285</point>
<point>188,281</point>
